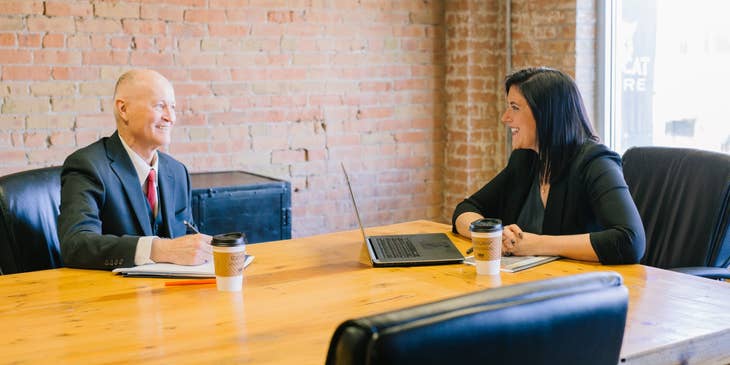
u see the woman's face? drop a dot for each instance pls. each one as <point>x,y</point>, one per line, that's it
<point>518,117</point>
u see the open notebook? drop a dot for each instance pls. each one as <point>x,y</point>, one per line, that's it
<point>206,270</point>
<point>517,263</point>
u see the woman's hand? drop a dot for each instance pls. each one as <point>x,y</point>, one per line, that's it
<point>518,243</point>
<point>511,237</point>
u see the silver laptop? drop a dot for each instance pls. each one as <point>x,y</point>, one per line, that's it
<point>405,249</point>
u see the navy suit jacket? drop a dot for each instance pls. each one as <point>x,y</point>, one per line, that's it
<point>104,210</point>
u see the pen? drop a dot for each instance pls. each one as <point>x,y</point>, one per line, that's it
<point>190,282</point>
<point>192,227</point>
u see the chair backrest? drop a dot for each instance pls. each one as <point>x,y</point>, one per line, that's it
<point>29,203</point>
<point>578,319</point>
<point>683,197</point>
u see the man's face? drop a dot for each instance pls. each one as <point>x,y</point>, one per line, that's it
<point>149,112</point>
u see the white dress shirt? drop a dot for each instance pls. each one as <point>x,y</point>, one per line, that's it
<point>144,244</point>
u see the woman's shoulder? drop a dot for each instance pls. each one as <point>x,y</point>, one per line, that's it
<point>593,155</point>
<point>590,152</point>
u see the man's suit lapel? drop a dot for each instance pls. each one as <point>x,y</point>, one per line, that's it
<point>165,182</point>
<point>122,166</point>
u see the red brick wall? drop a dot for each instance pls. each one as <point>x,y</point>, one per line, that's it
<point>543,34</point>
<point>407,93</point>
<point>281,88</point>
<point>475,136</point>
<point>559,34</point>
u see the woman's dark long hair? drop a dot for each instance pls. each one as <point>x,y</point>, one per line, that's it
<point>560,116</point>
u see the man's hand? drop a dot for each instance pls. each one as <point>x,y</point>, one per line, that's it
<point>192,249</point>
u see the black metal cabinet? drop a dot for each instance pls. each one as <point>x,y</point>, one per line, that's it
<point>232,201</point>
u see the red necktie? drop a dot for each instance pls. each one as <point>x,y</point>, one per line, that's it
<point>152,192</point>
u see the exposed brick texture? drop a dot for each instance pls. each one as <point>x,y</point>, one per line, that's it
<point>407,93</point>
<point>475,137</point>
<point>560,34</point>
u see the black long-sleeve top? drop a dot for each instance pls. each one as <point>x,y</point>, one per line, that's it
<point>592,197</point>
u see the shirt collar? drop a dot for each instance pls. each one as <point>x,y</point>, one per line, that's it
<point>140,165</point>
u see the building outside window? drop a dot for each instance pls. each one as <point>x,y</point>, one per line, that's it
<point>667,74</point>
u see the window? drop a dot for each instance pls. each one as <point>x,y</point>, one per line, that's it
<point>667,73</point>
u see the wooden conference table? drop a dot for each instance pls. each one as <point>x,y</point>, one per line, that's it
<point>296,292</point>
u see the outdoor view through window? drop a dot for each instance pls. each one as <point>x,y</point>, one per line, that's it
<point>671,74</point>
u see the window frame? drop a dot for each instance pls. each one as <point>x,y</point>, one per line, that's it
<point>606,24</point>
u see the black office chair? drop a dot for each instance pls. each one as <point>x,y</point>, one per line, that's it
<point>578,319</point>
<point>683,197</point>
<point>29,203</point>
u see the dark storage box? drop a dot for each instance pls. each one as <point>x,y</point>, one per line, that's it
<point>230,201</point>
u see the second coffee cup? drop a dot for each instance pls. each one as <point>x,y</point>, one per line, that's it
<point>486,238</point>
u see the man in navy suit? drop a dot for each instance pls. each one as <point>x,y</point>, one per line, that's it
<point>106,219</point>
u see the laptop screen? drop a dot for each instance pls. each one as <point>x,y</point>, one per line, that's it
<point>354,204</point>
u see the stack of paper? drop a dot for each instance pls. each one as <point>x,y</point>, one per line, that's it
<point>517,263</point>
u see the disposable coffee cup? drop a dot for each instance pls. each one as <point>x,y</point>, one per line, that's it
<point>229,256</point>
<point>486,238</point>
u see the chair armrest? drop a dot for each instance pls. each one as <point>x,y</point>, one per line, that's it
<point>705,272</point>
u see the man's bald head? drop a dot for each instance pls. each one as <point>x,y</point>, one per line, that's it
<point>129,83</point>
<point>144,109</point>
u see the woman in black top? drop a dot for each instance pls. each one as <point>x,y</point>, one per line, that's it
<point>562,193</point>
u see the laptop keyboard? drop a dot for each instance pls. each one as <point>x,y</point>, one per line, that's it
<point>397,247</point>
